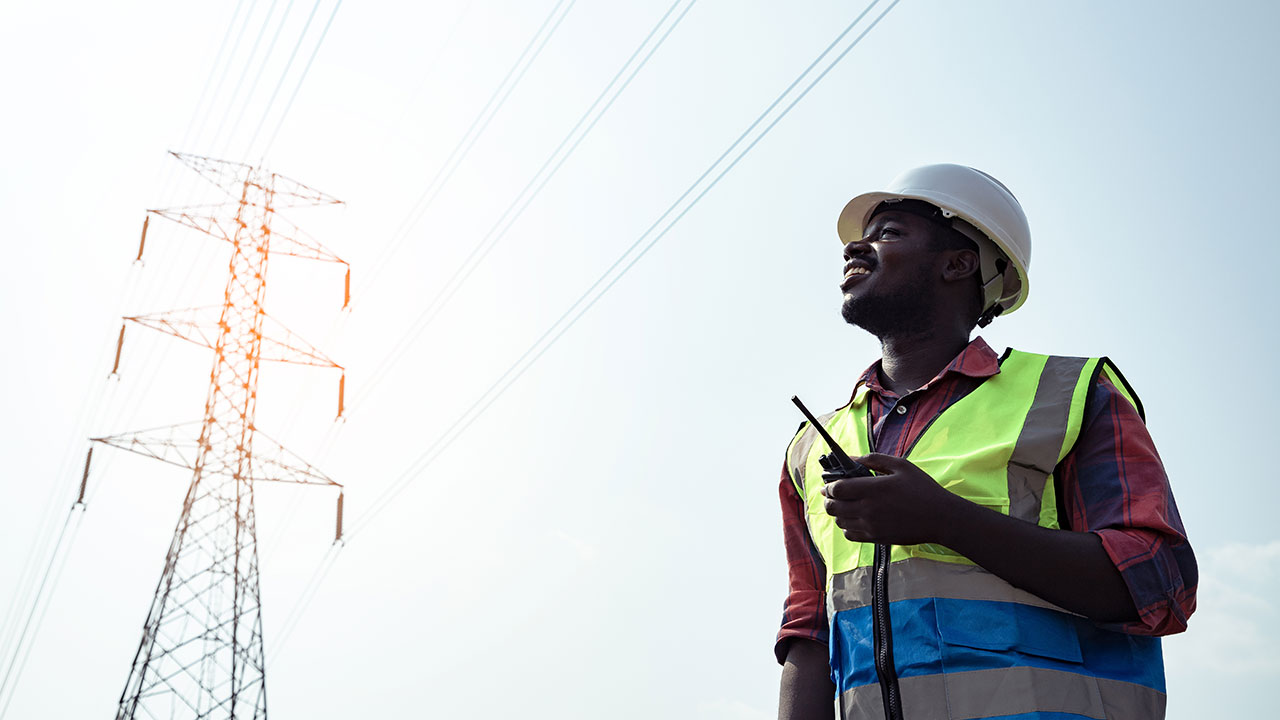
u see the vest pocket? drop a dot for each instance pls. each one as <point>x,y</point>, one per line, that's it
<point>1004,627</point>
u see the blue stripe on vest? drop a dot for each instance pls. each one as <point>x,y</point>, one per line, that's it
<point>934,635</point>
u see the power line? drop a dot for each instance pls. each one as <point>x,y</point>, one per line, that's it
<point>213,69</point>
<point>605,282</point>
<point>638,249</point>
<point>91,411</point>
<point>285,73</point>
<point>289,106</point>
<point>338,324</point>
<point>478,125</point>
<point>223,77</point>
<point>244,71</point>
<point>431,65</point>
<point>326,564</point>
<point>21,648</point>
<point>262,68</point>
<point>198,262</point>
<point>468,140</point>
<point>611,92</point>
<point>304,600</point>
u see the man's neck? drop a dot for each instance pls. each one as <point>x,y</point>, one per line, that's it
<point>908,362</point>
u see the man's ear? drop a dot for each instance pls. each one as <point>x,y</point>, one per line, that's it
<point>960,264</point>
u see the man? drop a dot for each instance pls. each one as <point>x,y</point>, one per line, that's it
<point>1018,550</point>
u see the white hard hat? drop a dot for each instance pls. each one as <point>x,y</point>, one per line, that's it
<point>981,202</point>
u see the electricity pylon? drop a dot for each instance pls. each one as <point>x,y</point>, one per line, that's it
<point>201,654</point>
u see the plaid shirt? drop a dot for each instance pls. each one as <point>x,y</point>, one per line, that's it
<point>1111,483</point>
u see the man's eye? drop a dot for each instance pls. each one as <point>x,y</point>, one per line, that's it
<point>883,232</point>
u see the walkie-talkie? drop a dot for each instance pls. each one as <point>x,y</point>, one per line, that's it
<point>836,463</point>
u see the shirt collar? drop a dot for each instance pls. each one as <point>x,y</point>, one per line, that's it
<point>977,360</point>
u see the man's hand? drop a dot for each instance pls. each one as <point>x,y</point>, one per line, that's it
<point>901,505</point>
<point>904,506</point>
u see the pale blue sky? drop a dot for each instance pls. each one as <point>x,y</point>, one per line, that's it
<point>605,538</point>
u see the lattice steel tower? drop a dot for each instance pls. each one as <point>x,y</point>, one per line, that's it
<point>201,654</point>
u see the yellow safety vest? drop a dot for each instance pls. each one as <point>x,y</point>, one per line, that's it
<point>967,644</point>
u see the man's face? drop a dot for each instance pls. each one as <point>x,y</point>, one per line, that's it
<point>891,276</point>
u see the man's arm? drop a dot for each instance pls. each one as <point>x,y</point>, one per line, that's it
<point>902,505</point>
<point>1069,569</point>
<point>1114,485</point>
<point>807,691</point>
<point>801,646</point>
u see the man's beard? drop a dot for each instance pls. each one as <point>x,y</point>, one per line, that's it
<point>906,311</point>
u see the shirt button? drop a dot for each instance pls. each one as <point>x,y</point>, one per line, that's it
<point>902,410</point>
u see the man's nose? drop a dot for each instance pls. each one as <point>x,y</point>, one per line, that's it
<point>856,248</point>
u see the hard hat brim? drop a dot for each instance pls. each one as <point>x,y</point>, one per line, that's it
<point>853,218</point>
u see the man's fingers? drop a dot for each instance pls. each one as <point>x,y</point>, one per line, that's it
<point>856,528</point>
<point>850,517</point>
<point>841,509</point>
<point>883,464</point>
<point>858,532</point>
<point>850,488</point>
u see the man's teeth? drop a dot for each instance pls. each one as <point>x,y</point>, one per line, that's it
<point>857,271</point>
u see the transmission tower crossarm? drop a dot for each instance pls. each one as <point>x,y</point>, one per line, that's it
<point>174,444</point>
<point>289,239</point>
<point>179,444</point>
<point>229,175</point>
<point>197,217</point>
<point>272,462</point>
<point>280,344</point>
<point>291,193</point>
<point>286,237</point>
<point>203,325</point>
<point>197,325</point>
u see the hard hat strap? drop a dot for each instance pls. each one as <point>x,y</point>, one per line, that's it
<point>992,275</point>
<point>991,262</point>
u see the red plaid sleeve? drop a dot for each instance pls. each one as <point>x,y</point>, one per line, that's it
<point>1114,485</point>
<point>804,613</point>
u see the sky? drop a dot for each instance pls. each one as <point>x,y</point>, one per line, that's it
<point>596,531</point>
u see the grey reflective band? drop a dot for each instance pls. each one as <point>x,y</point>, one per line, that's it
<point>1009,691</point>
<point>1035,454</point>
<point>797,459</point>
<point>917,578</point>
<point>799,456</point>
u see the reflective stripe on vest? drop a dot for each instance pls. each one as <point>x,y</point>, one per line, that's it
<point>1004,693</point>
<point>966,643</point>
